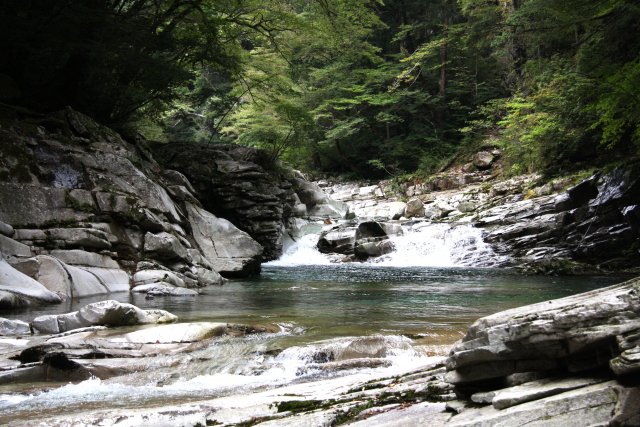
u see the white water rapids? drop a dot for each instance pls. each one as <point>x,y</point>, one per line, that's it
<point>421,244</point>
<point>236,367</point>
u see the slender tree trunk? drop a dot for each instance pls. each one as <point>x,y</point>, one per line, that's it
<point>442,82</point>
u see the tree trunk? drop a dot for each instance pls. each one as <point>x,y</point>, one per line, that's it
<point>442,82</point>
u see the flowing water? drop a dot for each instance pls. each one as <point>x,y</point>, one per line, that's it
<point>396,312</point>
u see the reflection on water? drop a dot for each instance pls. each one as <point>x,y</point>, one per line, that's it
<point>337,300</point>
<point>392,317</point>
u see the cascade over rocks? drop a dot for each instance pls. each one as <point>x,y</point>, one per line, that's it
<point>551,228</point>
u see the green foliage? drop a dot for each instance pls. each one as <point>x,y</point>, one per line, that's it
<point>369,88</point>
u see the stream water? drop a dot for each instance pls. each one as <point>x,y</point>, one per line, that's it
<point>391,310</point>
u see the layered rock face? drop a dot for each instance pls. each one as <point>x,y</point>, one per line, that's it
<point>540,228</point>
<point>83,212</point>
<point>571,358</point>
<point>242,185</point>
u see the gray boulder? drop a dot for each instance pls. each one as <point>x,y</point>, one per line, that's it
<point>414,208</point>
<point>104,313</point>
<point>483,160</point>
<point>18,289</point>
<point>576,333</point>
<point>230,251</point>
<point>165,247</point>
<point>12,327</point>
<point>339,239</point>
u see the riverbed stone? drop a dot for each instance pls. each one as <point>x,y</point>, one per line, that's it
<point>230,251</point>
<point>176,333</point>
<point>105,313</point>
<point>19,289</point>
<point>414,208</point>
<point>14,327</point>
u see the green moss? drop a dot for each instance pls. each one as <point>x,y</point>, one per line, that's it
<point>297,406</point>
<point>76,205</point>
<point>352,413</point>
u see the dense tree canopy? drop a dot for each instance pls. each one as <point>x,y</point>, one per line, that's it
<point>365,87</point>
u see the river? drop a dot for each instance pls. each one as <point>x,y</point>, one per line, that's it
<point>390,310</point>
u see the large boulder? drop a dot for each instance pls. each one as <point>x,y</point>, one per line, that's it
<point>230,251</point>
<point>414,208</point>
<point>240,184</point>
<point>483,160</point>
<point>79,281</point>
<point>104,313</point>
<point>18,289</point>
<point>575,334</point>
<point>339,239</point>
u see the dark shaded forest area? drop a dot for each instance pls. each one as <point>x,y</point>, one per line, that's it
<point>365,88</point>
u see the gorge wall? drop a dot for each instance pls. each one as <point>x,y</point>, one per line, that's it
<point>85,212</point>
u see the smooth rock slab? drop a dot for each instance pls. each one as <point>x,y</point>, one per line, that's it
<point>591,405</point>
<point>536,390</point>
<point>229,250</point>
<point>23,288</point>
<point>14,327</point>
<point>177,333</point>
<point>106,313</point>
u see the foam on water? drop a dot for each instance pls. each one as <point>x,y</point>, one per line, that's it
<point>438,245</point>
<point>302,252</point>
<point>294,364</point>
<point>421,244</point>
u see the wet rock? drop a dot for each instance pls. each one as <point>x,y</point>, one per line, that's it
<point>105,313</point>
<point>14,327</point>
<point>483,160</point>
<point>414,208</point>
<point>366,248</point>
<point>578,195</point>
<point>339,240</point>
<point>230,251</point>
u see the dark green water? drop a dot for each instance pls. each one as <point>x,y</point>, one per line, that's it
<point>326,301</point>
<point>322,308</point>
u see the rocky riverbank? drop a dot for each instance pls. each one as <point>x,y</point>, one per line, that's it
<point>571,361</point>
<point>84,212</point>
<point>566,225</point>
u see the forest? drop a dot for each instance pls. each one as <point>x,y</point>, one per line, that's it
<point>360,88</point>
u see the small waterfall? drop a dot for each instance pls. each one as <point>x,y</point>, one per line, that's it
<point>421,244</point>
<point>302,252</point>
<point>439,245</point>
